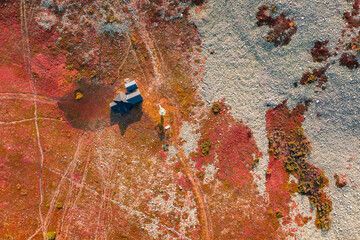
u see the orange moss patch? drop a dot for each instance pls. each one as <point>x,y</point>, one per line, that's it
<point>301,221</point>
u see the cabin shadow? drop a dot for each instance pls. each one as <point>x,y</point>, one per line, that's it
<point>123,120</point>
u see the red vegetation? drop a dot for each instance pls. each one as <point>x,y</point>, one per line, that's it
<point>349,41</point>
<point>264,16</point>
<point>281,28</point>
<point>51,75</point>
<point>184,182</point>
<point>352,17</point>
<point>349,60</point>
<point>235,141</point>
<point>234,153</point>
<point>316,75</point>
<point>198,2</point>
<point>78,59</point>
<point>288,148</point>
<point>319,52</point>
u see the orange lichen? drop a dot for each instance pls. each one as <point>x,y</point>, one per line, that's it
<point>340,180</point>
<point>301,221</point>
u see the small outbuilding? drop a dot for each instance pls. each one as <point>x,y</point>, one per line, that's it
<point>131,86</point>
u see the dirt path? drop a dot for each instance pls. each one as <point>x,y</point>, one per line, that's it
<point>204,210</point>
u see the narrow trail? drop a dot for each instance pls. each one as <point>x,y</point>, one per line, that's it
<point>68,172</point>
<point>32,83</point>
<point>121,205</point>
<point>28,97</point>
<point>204,211</point>
<point>106,169</point>
<point>70,205</point>
<point>140,24</point>
<point>32,119</point>
<point>104,188</point>
<point>126,56</point>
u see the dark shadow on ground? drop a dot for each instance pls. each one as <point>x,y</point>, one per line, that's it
<point>125,119</point>
<point>160,129</point>
<point>91,110</point>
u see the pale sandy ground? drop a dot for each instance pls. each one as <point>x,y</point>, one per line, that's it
<point>251,73</point>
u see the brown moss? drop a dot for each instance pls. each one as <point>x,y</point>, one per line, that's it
<point>255,163</point>
<point>197,2</point>
<point>51,235</point>
<point>291,146</point>
<point>305,188</point>
<point>205,147</point>
<point>291,166</point>
<point>323,209</point>
<point>216,107</point>
<point>316,75</point>
<point>200,175</point>
<point>59,205</point>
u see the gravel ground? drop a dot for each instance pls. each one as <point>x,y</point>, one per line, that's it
<point>251,74</point>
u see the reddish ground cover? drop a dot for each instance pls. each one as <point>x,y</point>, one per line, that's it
<point>108,175</point>
<point>236,208</point>
<point>281,27</point>
<point>319,52</point>
<point>68,167</point>
<point>288,148</point>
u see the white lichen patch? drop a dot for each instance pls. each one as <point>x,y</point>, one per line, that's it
<point>210,171</point>
<point>182,210</point>
<point>45,19</point>
<point>190,136</point>
<point>189,210</point>
<point>153,229</point>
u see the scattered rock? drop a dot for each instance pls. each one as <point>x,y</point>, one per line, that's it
<point>341,180</point>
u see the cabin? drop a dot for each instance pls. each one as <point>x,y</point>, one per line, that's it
<point>134,97</point>
<point>124,102</point>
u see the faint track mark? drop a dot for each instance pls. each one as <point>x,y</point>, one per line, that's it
<point>28,97</point>
<point>69,171</point>
<point>199,195</point>
<point>120,204</point>
<point>32,83</point>
<point>31,119</point>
